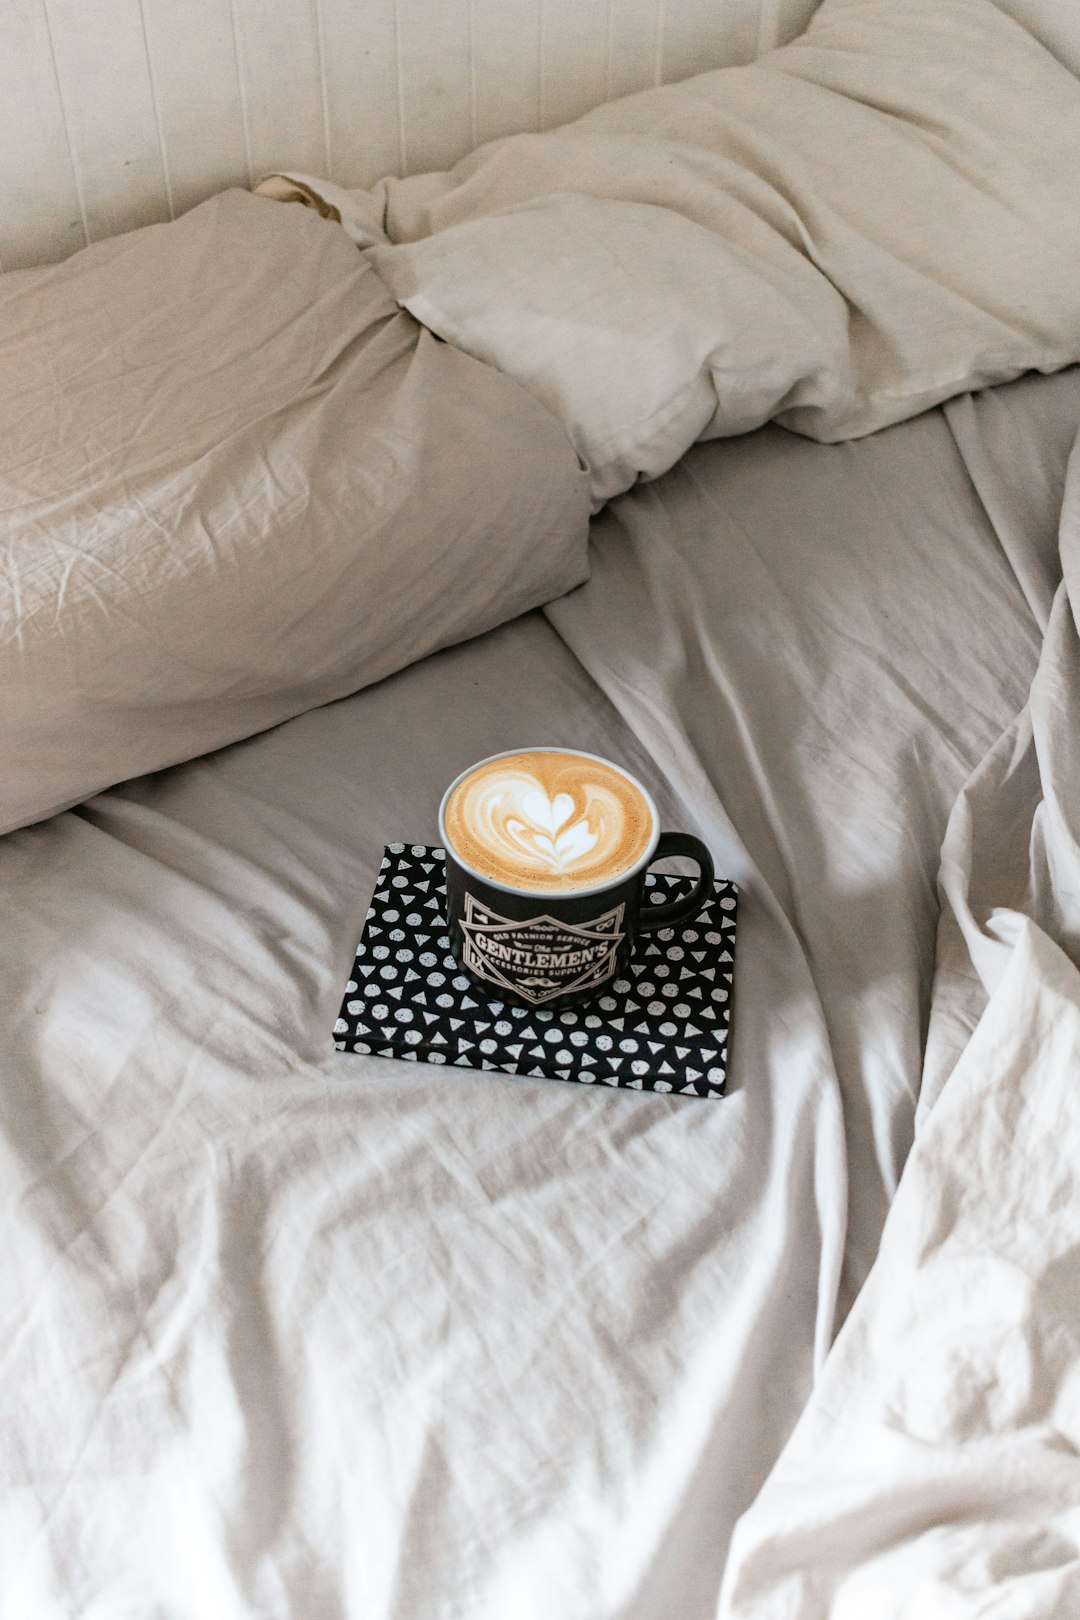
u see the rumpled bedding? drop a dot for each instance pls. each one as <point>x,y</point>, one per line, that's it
<point>876,217</point>
<point>936,1470</point>
<point>291,1332</point>
<point>237,481</point>
<point>287,1331</point>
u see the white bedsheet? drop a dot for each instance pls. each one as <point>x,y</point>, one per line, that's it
<point>286,1332</point>
<point>293,1333</point>
<point>936,1471</point>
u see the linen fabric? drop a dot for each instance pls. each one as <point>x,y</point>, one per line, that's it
<point>236,481</point>
<point>297,1332</point>
<point>936,1469</point>
<point>863,223</point>
<point>884,600</point>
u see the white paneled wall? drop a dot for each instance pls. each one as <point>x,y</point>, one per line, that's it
<point>116,113</point>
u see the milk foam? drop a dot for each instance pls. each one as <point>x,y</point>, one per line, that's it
<point>548,821</point>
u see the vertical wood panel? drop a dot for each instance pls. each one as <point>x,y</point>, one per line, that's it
<point>361,88</point>
<point>436,81</point>
<point>506,66</point>
<point>114,112</point>
<point>280,74</point>
<point>575,59</point>
<point>108,98</point>
<point>41,217</point>
<point>632,46</point>
<point>194,73</point>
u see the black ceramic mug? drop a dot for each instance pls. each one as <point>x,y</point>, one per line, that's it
<point>538,915</point>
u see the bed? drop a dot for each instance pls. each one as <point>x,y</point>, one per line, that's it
<point>288,1331</point>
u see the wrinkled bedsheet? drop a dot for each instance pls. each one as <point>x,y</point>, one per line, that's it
<point>936,1470</point>
<point>292,1332</point>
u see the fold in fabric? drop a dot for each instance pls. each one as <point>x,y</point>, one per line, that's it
<point>936,1469</point>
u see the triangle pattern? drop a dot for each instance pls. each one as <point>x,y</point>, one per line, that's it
<point>480,1032</point>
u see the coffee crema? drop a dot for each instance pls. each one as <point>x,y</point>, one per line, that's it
<point>546,821</point>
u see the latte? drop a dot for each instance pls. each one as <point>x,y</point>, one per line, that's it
<point>548,822</point>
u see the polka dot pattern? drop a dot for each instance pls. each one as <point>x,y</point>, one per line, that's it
<point>398,1004</point>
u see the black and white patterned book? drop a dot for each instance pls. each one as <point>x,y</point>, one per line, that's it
<point>662,1027</point>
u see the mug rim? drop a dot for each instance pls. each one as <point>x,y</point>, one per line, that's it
<point>551,894</point>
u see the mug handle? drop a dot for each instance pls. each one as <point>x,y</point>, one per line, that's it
<point>686,905</point>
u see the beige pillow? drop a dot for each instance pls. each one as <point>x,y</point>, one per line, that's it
<point>237,481</point>
<point>879,215</point>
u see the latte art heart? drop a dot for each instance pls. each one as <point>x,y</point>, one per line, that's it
<point>544,833</point>
<point>548,820</point>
